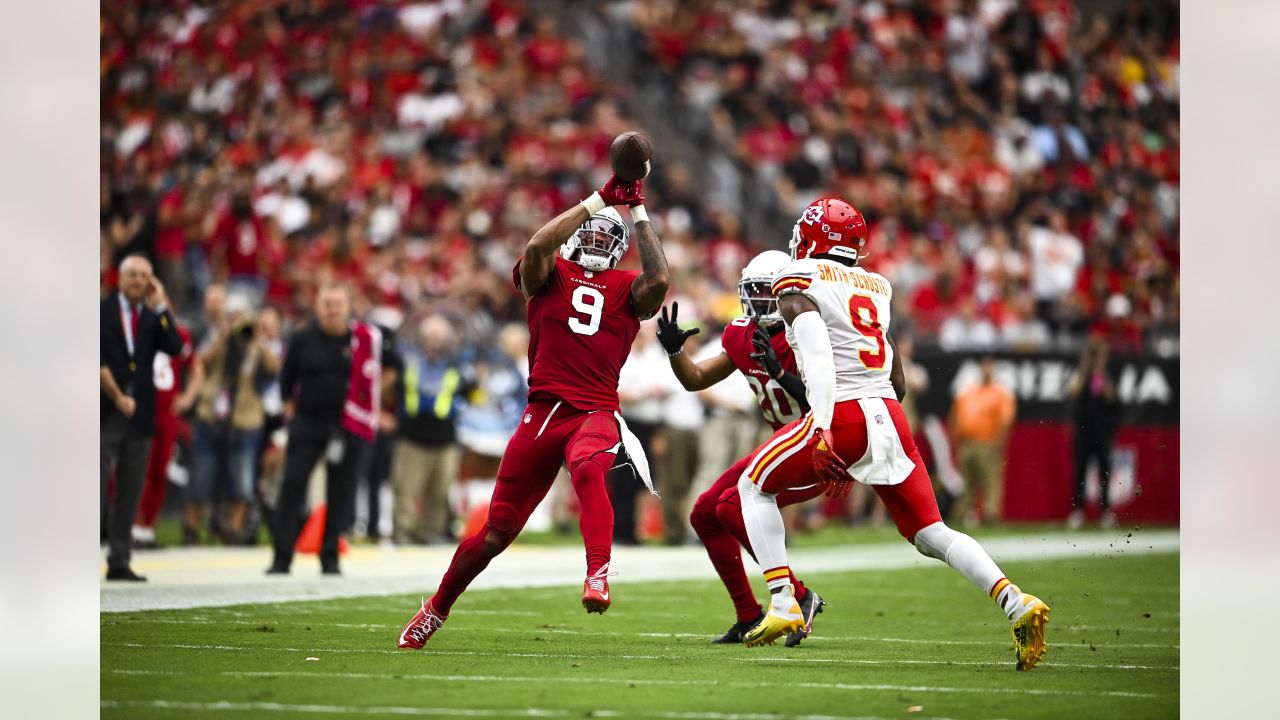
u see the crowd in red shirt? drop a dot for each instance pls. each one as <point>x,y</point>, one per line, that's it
<point>412,148</point>
<point>960,128</point>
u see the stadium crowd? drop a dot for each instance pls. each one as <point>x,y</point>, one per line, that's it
<point>1017,162</point>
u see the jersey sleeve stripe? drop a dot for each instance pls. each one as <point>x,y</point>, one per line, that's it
<point>791,282</point>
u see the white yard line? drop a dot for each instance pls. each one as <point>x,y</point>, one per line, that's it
<point>535,630</point>
<point>642,681</point>
<point>212,577</point>
<point>453,712</point>
<point>668,658</point>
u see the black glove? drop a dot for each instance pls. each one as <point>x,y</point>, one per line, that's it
<point>670,334</point>
<point>764,355</point>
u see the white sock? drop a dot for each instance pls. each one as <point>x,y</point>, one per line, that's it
<point>767,532</point>
<point>965,555</point>
<point>783,600</point>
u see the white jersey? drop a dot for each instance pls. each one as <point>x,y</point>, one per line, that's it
<point>854,304</point>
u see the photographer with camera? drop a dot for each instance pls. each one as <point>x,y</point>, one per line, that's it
<point>239,363</point>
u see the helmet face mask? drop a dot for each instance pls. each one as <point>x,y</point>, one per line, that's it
<point>599,243</point>
<point>758,301</point>
<point>755,289</point>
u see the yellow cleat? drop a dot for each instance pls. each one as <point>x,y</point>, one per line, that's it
<point>784,617</point>
<point>1028,632</point>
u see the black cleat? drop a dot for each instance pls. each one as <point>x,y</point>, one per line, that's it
<point>124,573</point>
<point>811,604</point>
<point>736,631</point>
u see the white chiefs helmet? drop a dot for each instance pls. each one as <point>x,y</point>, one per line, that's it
<point>754,290</point>
<point>600,243</point>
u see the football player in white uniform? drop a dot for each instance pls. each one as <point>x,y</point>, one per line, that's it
<point>837,320</point>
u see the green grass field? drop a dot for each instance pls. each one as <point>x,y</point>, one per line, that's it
<point>897,643</point>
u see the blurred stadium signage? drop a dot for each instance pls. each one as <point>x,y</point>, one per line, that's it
<point>1040,465</point>
<point>1147,388</point>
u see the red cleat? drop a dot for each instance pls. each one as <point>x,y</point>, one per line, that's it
<point>420,629</point>
<point>595,591</point>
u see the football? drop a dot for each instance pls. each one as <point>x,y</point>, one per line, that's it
<point>630,156</point>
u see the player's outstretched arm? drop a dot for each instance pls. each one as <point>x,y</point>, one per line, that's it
<point>650,288</point>
<point>692,376</point>
<point>540,253</point>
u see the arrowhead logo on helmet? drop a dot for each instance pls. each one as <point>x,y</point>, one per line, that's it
<point>829,226</point>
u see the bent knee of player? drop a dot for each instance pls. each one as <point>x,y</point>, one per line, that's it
<point>590,472</point>
<point>502,527</point>
<point>934,540</point>
<point>728,508</point>
<point>704,510</point>
<point>750,493</point>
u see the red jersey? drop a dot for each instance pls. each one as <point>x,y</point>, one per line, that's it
<point>241,240</point>
<point>778,407</point>
<point>581,327</point>
<point>168,375</point>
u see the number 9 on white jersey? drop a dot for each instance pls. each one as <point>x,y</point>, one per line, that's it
<point>855,305</point>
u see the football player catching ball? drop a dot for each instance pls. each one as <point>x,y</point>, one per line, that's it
<point>583,316</point>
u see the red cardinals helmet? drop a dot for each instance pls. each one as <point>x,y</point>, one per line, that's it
<point>829,226</point>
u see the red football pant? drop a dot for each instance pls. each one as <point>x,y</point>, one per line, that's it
<point>786,462</point>
<point>717,519</point>
<point>551,434</point>
<point>157,478</point>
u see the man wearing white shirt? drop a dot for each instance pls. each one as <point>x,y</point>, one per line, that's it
<point>642,392</point>
<point>1056,257</point>
<point>684,417</point>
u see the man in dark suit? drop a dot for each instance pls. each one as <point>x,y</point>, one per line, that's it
<point>135,324</point>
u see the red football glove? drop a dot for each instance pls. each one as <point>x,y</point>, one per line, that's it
<point>832,473</point>
<point>619,192</point>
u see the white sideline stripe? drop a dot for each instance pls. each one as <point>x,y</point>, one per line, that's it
<point>477,653</point>
<point>605,633</point>
<point>641,681</point>
<point>204,577</point>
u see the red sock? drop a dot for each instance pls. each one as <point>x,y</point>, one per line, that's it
<point>469,560</point>
<point>595,520</point>
<point>798,587</point>
<point>726,556</point>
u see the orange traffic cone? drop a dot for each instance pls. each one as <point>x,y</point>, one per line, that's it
<point>477,516</point>
<point>312,535</point>
<point>651,525</point>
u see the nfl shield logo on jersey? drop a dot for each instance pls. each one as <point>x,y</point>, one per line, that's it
<point>528,417</point>
<point>879,419</point>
